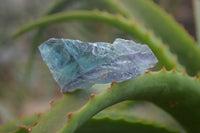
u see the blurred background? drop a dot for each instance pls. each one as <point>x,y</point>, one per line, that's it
<point>22,92</point>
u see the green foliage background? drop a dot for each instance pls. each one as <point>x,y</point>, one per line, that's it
<point>170,91</point>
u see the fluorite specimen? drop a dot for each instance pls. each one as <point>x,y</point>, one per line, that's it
<point>79,65</point>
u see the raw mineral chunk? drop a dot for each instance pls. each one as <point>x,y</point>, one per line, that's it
<point>79,65</point>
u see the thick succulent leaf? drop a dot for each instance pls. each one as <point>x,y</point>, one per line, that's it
<point>176,93</point>
<point>143,111</point>
<point>53,120</point>
<point>12,126</point>
<point>118,122</point>
<point>117,118</point>
<point>107,125</point>
<point>164,26</point>
<point>106,121</point>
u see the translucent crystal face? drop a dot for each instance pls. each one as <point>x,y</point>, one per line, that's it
<point>79,65</point>
<point>57,55</point>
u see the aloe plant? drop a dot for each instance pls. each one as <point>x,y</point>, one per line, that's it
<point>101,108</point>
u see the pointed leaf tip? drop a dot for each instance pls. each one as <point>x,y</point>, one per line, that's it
<point>38,115</point>
<point>51,102</point>
<point>183,72</point>
<point>92,95</point>
<point>147,71</point>
<point>163,68</point>
<point>69,116</point>
<point>173,69</point>
<point>111,85</point>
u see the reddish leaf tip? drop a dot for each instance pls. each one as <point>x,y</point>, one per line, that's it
<point>92,95</point>
<point>111,85</point>
<point>174,69</point>
<point>51,102</point>
<point>69,116</point>
<point>21,126</point>
<point>183,72</point>
<point>147,71</point>
<point>37,121</point>
<point>39,114</point>
<point>163,68</point>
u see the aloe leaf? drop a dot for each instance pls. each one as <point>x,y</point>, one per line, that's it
<point>107,125</point>
<point>164,26</point>
<point>143,111</point>
<point>107,121</point>
<point>13,126</point>
<point>54,119</point>
<point>176,93</point>
<point>164,56</point>
<point>113,121</point>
